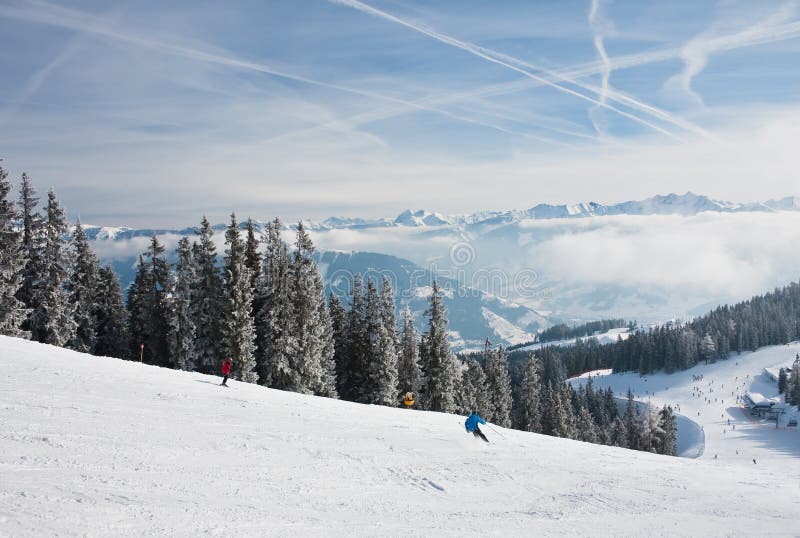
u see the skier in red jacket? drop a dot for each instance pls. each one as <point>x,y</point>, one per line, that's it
<point>227,364</point>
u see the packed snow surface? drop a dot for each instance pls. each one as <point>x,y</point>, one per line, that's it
<point>730,433</point>
<point>608,337</point>
<point>104,447</point>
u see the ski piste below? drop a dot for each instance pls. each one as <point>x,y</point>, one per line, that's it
<point>100,446</point>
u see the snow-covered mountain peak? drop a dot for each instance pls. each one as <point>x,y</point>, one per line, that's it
<point>421,217</point>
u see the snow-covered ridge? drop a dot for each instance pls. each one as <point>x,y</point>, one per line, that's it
<point>105,447</point>
<point>671,204</point>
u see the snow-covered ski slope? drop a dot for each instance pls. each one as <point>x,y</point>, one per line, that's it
<point>731,434</point>
<point>103,447</point>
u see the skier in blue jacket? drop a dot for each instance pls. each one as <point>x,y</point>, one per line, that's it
<point>471,424</point>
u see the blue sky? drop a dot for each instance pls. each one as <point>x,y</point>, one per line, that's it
<point>140,114</point>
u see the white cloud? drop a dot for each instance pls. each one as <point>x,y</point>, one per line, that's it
<point>697,51</point>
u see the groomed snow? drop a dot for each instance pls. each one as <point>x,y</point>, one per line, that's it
<point>103,447</point>
<point>731,434</point>
<point>608,337</point>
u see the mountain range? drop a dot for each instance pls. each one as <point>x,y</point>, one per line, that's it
<point>508,274</point>
<point>670,204</point>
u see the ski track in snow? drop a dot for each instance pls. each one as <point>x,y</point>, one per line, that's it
<point>103,447</point>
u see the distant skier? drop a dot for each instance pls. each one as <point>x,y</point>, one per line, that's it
<point>471,424</point>
<point>227,364</point>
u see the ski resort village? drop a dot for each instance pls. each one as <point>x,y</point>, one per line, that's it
<point>399,268</point>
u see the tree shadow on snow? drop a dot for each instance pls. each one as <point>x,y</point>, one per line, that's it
<point>763,434</point>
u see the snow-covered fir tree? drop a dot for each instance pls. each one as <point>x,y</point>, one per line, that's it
<point>633,424</point>
<point>474,394</point>
<point>567,427</point>
<point>340,331</point>
<point>551,411</point>
<point>275,322</point>
<point>669,428</point>
<point>357,345</point>
<point>585,428</point>
<point>409,373</point>
<point>313,357</point>
<point>138,309</point>
<point>112,319</point>
<point>382,365</point>
<point>619,434</point>
<point>32,245</point>
<point>793,384</point>
<point>498,383</point>
<point>12,260</point>
<point>327,380</point>
<point>237,330</point>
<point>530,395</point>
<point>388,309</point>
<point>558,418</point>
<point>181,322</point>
<point>206,301</point>
<point>439,368</point>
<point>83,292</point>
<point>254,261</point>
<point>252,255</point>
<point>51,321</point>
<point>149,309</point>
<point>651,430</point>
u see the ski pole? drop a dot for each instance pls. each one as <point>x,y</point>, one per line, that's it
<point>495,431</point>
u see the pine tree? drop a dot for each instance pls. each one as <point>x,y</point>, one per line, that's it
<point>793,386</point>
<point>708,349</point>
<point>633,424</point>
<point>252,255</point>
<point>254,261</point>
<point>439,370</point>
<point>339,328</point>
<point>551,412</point>
<point>148,307</point>
<point>83,292</point>
<point>669,431</point>
<point>619,435</point>
<point>327,382</point>
<point>358,345</point>
<point>409,373</point>
<point>586,429</point>
<point>382,380</point>
<point>652,434</point>
<point>782,379</point>
<point>530,395</point>
<point>275,322</point>
<point>51,321</point>
<point>499,385</point>
<point>388,309</point>
<point>313,367</point>
<point>112,322</point>
<point>12,261</point>
<point>181,323</point>
<point>31,248</point>
<point>138,309</point>
<point>206,302</point>
<point>567,427</point>
<point>474,393</point>
<point>237,330</point>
